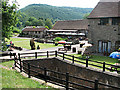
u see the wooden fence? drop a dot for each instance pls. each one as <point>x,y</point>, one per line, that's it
<point>56,80</point>
<point>87,62</point>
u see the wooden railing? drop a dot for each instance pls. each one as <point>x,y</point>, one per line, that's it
<point>66,82</point>
<point>87,62</point>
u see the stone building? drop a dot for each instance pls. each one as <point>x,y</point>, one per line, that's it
<point>38,32</point>
<point>104,26</point>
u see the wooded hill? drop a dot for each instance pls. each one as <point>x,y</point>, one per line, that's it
<point>53,12</point>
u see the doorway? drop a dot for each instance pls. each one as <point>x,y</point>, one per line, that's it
<point>104,46</point>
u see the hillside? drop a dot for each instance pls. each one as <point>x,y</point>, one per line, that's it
<point>53,12</point>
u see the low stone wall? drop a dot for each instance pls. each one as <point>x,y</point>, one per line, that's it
<point>78,70</point>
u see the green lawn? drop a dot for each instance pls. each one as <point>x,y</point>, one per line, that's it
<point>101,59</point>
<point>25,43</point>
<point>13,79</point>
<point>106,59</point>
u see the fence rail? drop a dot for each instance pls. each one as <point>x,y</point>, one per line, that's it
<point>64,82</point>
<point>87,62</point>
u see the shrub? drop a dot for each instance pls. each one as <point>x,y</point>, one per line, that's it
<point>34,27</point>
<point>58,39</point>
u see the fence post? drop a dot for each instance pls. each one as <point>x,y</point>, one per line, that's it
<point>19,56</point>
<point>47,54</point>
<point>28,70</point>
<point>87,62</point>
<point>55,53</point>
<point>96,85</point>
<point>45,75</point>
<point>63,56</point>
<point>73,59</point>
<point>67,81</point>
<point>36,55</point>
<point>103,66</point>
<point>14,55</point>
<point>20,65</point>
<point>10,54</point>
<point>15,62</point>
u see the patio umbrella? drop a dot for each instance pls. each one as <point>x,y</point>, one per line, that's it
<point>62,42</point>
<point>115,55</point>
<point>87,45</point>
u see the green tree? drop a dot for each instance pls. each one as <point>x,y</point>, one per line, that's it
<point>31,19</point>
<point>86,15</point>
<point>27,23</point>
<point>48,23</point>
<point>40,22</point>
<point>22,18</point>
<point>35,22</point>
<point>9,18</point>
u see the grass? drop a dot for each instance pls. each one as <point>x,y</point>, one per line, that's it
<point>25,43</point>
<point>106,59</point>
<point>97,58</point>
<point>13,79</point>
<point>8,64</point>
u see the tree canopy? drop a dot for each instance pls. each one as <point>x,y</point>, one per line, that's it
<point>9,18</point>
<point>32,21</point>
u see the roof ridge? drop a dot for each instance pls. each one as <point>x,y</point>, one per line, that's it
<point>72,20</point>
<point>109,1</point>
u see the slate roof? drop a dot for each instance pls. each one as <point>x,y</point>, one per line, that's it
<point>71,25</point>
<point>106,8</point>
<point>33,29</point>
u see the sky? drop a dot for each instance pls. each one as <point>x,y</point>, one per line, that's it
<point>70,3</point>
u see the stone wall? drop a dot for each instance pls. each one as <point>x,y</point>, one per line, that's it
<point>77,70</point>
<point>102,32</point>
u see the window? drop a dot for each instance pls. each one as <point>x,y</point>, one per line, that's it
<point>115,21</point>
<point>104,21</point>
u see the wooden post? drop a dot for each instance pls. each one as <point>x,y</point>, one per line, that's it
<point>47,54</point>
<point>96,85</point>
<point>45,75</point>
<point>36,55</point>
<point>63,56</point>
<point>55,53</point>
<point>14,54</point>
<point>20,65</point>
<point>28,70</point>
<point>67,81</point>
<point>103,66</point>
<point>19,56</point>
<point>14,62</point>
<point>10,54</point>
<point>87,62</point>
<point>73,59</point>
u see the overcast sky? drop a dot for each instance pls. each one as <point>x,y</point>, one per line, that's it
<point>71,3</point>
